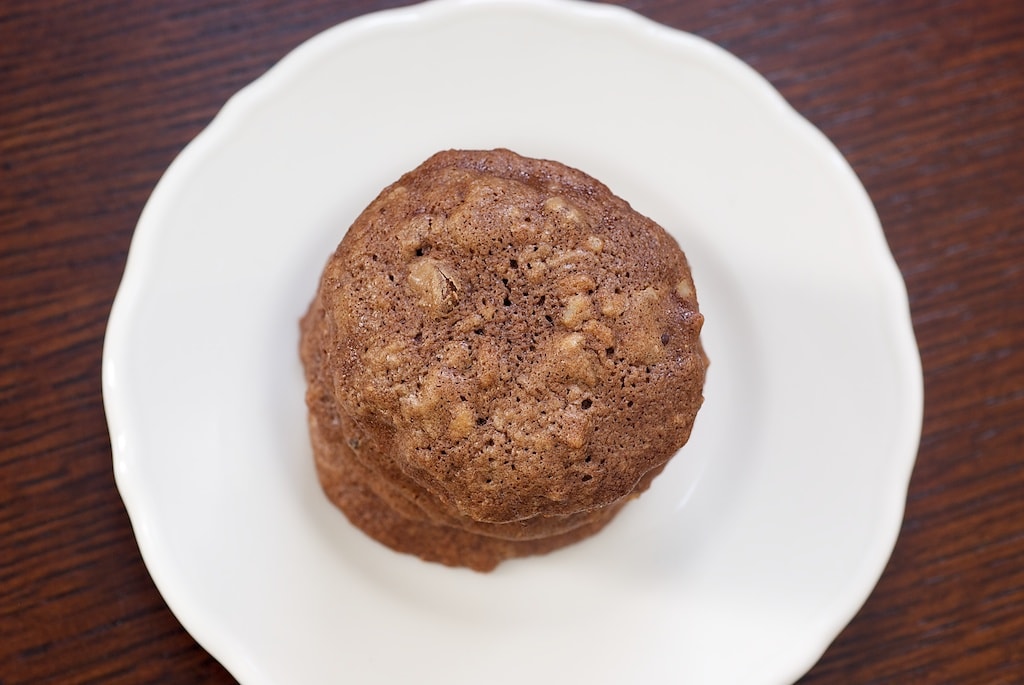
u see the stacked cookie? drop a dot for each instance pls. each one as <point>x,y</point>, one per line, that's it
<point>500,354</point>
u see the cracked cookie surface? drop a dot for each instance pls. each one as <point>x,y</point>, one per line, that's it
<point>501,352</point>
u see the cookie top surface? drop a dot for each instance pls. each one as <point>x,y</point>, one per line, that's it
<point>516,338</point>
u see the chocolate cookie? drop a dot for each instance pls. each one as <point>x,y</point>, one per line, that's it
<point>500,353</point>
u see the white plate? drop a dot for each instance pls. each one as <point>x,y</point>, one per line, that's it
<point>747,556</point>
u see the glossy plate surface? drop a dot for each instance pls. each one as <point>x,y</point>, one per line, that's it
<point>753,549</point>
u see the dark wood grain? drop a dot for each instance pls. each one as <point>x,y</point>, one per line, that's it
<point>925,98</point>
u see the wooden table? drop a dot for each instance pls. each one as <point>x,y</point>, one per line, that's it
<point>925,98</point>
